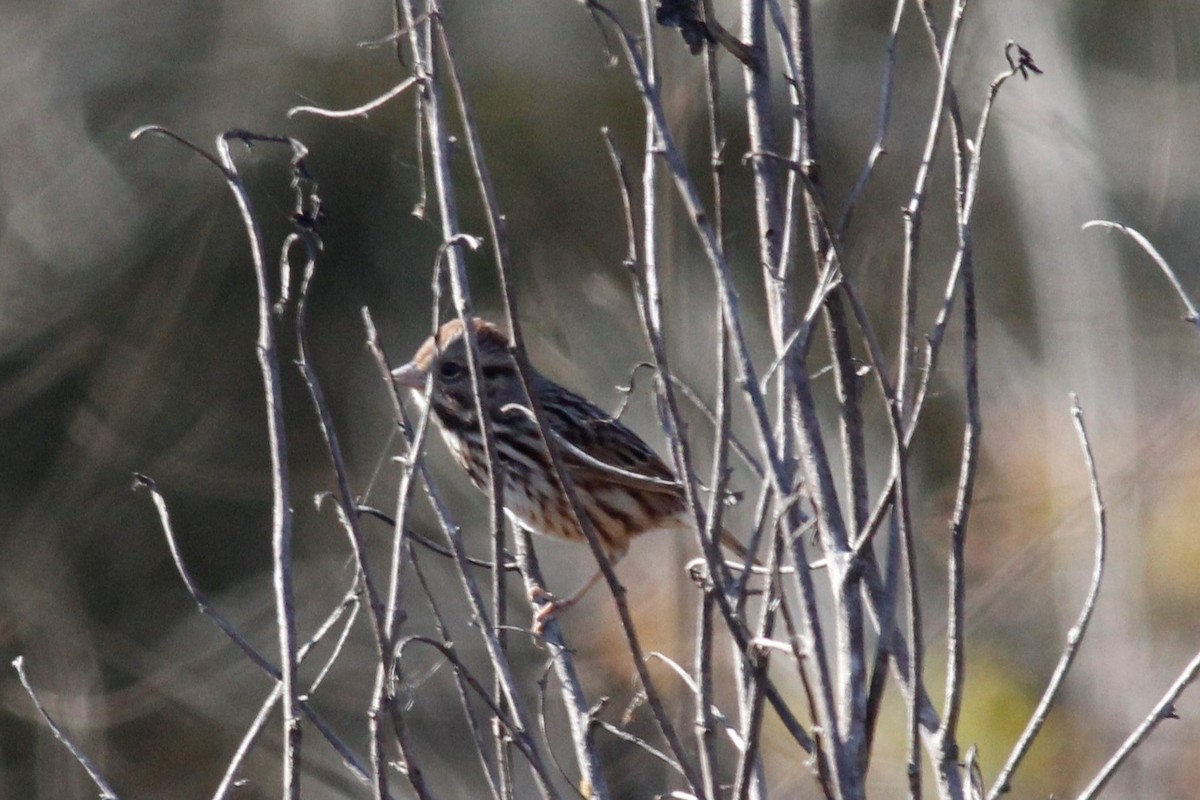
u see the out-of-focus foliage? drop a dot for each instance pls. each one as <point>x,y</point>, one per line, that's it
<point>127,324</point>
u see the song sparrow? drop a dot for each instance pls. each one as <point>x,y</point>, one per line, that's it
<point>625,488</point>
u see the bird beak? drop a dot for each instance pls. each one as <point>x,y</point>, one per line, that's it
<point>410,375</point>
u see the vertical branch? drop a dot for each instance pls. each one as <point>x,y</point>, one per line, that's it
<point>648,289</point>
<point>705,720</point>
<point>768,196</point>
<point>496,783</point>
<point>414,468</point>
<point>734,618</point>
<point>947,764</point>
<point>967,160</point>
<point>268,359</point>
<point>706,725</point>
<point>348,513</point>
<point>644,249</point>
<point>513,723</point>
<point>715,582</point>
<point>778,277</point>
<point>433,119</point>
<point>421,38</point>
<point>747,378</point>
<point>499,239</point>
<point>579,715</point>
<point>383,699</point>
<point>845,578</point>
<point>1079,630</point>
<point>885,116</point>
<point>909,284</point>
<point>712,541</point>
<point>824,242</point>
<point>915,208</point>
<point>799,424</point>
<point>562,477</point>
<point>585,753</point>
<point>281,509</point>
<point>904,540</point>
<point>935,337</point>
<point>956,661</point>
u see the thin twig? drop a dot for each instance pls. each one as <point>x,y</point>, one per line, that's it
<point>747,379</point>
<point>281,506</point>
<point>519,735</point>
<point>206,608</point>
<point>464,698</point>
<point>1075,635</point>
<point>732,615</point>
<point>935,337</point>
<point>426,65</point>
<point>348,513</point>
<point>281,509</point>
<point>914,210</point>
<point>574,699</point>
<point>509,564</point>
<point>106,791</point>
<point>1164,709</point>
<point>454,537</point>
<point>845,722</point>
<point>499,239</point>
<point>885,116</point>
<point>905,539</point>
<point>544,729</point>
<point>357,111</point>
<point>639,742</point>
<point>947,765</point>
<point>349,602</point>
<point>1192,315</point>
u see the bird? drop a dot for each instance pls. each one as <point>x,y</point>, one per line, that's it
<point>624,487</point>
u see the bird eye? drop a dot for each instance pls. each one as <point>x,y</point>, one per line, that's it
<point>450,370</point>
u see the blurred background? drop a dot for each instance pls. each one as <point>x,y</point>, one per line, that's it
<point>127,325</point>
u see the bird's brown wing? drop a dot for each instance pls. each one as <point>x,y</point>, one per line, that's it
<point>599,447</point>
<point>595,447</point>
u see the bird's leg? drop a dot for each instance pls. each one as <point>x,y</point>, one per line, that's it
<point>548,606</point>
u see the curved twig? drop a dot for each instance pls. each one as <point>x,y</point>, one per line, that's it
<point>357,111</point>
<point>206,608</point>
<point>1076,633</point>
<point>1192,315</point>
<point>106,791</point>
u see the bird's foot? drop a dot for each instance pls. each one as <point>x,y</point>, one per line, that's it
<point>548,607</point>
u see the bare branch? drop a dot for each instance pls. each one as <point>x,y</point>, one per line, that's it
<point>1164,709</point>
<point>464,700</point>
<point>106,791</point>
<point>885,116</point>
<point>574,699</point>
<point>357,111</point>
<point>434,119</point>
<point>349,603</point>
<point>206,608</point>
<point>1192,315</point>
<point>1074,636</point>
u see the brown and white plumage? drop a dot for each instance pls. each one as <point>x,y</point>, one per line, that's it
<point>624,486</point>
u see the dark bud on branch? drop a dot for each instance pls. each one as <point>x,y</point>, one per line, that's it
<point>685,15</point>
